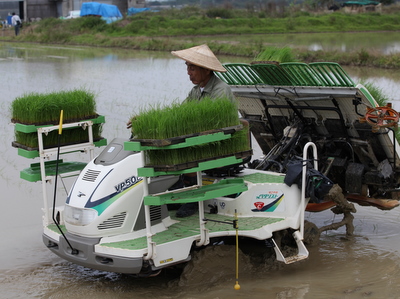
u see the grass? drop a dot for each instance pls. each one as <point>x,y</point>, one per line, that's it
<point>174,22</point>
<point>377,93</point>
<point>174,29</point>
<point>186,118</point>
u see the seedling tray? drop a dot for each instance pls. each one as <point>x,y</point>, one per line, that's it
<point>193,166</point>
<point>182,141</point>
<point>33,128</point>
<point>30,153</point>
<point>97,142</point>
<point>33,173</point>
<point>222,188</point>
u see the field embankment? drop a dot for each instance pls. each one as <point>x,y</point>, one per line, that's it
<point>174,29</point>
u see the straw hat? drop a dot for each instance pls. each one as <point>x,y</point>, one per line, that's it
<point>201,56</point>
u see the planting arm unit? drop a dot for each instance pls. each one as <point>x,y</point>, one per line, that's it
<point>45,170</point>
<point>191,194</point>
<point>205,194</point>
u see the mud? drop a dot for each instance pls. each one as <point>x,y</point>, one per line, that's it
<point>212,266</point>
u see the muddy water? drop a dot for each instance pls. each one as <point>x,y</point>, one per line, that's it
<point>366,266</point>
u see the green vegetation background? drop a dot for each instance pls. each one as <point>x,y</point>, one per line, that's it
<point>174,29</point>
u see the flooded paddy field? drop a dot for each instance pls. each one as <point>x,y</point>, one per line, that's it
<point>365,266</point>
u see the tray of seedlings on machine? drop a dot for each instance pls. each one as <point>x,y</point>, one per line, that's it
<point>38,110</point>
<point>190,136</point>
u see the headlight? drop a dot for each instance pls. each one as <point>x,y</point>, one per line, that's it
<point>78,216</point>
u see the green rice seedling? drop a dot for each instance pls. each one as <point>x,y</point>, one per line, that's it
<point>236,144</point>
<point>44,109</point>
<point>280,55</point>
<point>179,119</point>
<point>68,136</point>
<point>190,117</point>
<point>37,109</point>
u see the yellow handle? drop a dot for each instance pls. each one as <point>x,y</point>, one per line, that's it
<point>61,122</point>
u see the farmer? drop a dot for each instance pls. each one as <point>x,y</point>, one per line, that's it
<point>201,64</point>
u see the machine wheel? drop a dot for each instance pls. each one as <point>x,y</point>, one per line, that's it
<point>379,117</point>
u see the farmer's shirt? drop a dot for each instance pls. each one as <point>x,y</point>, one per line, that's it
<point>214,89</point>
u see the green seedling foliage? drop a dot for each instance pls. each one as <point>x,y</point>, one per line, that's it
<point>190,117</point>
<point>68,136</point>
<point>38,108</point>
<point>177,119</point>
<point>281,55</point>
<point>44,109</point>
<point>236,144</point>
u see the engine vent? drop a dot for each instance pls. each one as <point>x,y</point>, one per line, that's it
<point>155,213</point>
<point>113,222</point>
<point>91,175</point>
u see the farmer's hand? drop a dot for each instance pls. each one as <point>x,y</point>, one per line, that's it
<point>129,123</point>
